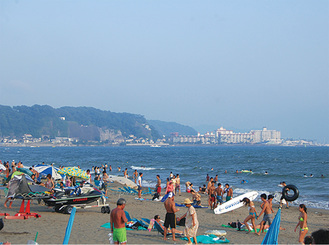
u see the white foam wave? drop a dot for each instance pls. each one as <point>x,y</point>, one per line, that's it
<point>300,200</point>
<point>144,168</point>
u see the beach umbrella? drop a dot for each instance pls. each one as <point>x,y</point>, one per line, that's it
<point>74,172</point>
<point>272,234</point>
<point>69,227</point>
<point>48,169</point>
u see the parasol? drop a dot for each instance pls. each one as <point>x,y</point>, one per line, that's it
<point>74,172</point>
<point>272,234</point>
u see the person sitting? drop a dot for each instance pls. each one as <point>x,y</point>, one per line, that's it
<point>159,221</point>
<point>196,198</point>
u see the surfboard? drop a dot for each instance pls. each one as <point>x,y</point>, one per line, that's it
<point>164,198</point>
<point>246,171</point>
<point>234,203</point>
<point>216,232</point>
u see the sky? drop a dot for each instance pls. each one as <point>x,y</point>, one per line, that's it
<point>238,64</point>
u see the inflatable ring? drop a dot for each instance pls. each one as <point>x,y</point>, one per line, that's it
<point>287,197</point>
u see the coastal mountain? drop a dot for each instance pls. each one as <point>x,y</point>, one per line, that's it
<point>166,128</point>
<point>83,123</point>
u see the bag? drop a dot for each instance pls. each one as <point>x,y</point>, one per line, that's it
<point>232,224</point>
<point>181,222</point>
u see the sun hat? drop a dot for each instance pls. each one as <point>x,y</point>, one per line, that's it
<point>187,201</point>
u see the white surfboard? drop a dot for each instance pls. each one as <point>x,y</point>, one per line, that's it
<point>216,232</point>
<point>235,203</point>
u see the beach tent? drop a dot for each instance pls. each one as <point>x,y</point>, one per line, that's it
<point>20,187</point>
<point>48,169</point>
<point>18,173</point>
<point>272,234</point>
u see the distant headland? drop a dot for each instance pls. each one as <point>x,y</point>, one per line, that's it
<point>43,125</point>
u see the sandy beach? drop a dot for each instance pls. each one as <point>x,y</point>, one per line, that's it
<point>86,229</point>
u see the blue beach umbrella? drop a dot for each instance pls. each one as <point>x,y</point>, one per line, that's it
<point>69,227</point>
<point>272,234</point>
<point>47,169</point>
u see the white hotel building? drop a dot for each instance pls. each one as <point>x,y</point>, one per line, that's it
<point>224,136</point>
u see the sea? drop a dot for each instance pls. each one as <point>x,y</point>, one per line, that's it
<point>193,163</point>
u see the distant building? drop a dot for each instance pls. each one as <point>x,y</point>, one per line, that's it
<point>224,136</point>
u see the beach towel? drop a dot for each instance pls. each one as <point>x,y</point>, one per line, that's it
<point>195,206</point>
<point>108,226</point>
<point>209,239</point>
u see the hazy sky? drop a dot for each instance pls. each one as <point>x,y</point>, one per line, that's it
<point>238,64</point>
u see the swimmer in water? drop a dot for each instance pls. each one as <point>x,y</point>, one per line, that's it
<point>266,173</point>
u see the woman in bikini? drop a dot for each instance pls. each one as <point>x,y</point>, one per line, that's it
<point>252,213</point>
<point>302,223</point>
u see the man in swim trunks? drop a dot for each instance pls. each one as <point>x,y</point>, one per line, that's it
<point>212,196</point>
<point>267,213</point>
<point>158,185</point>
<point>229,192</point>
<point>219,194</point>
<point>170,219</point>
<point>118,220</point>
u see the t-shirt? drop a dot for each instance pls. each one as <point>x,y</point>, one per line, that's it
<point>139,180</point>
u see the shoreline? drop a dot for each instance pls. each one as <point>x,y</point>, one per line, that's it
<point>86,227</point>
<point>161,146</point>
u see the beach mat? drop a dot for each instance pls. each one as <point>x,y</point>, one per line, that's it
<point>208,239</point>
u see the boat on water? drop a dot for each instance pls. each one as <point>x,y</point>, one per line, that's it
<point>155,145</point>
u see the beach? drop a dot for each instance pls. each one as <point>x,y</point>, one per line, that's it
<point>87,228</point>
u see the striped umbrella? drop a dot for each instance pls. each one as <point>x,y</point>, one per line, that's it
<point>74,172</point>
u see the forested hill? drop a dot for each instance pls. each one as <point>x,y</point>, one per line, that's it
<point>166,128</point>
<point>82,122</point>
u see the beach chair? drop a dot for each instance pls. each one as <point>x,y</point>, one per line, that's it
<point>160,230</point>
<point>129,218</point>
<point>147,192</point>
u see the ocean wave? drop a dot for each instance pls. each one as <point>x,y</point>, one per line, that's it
<point>144,168</point>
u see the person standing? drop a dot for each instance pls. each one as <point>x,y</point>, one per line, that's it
<point>282,198</point>
<point>229,192</point>
<point>212,196</point>
<point>302,223</point>
<point>118,219</point>
<point>173,180</point>
<point>267,213</point>
<point>135,176</point>
<point>252,213</point>
<point>125,173</point>
<point>219,194</point>
<point>158,185</point>
<point>139,185</point>
<point>170,219</point>
<point>191,223</point>
<point>177,188</point>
